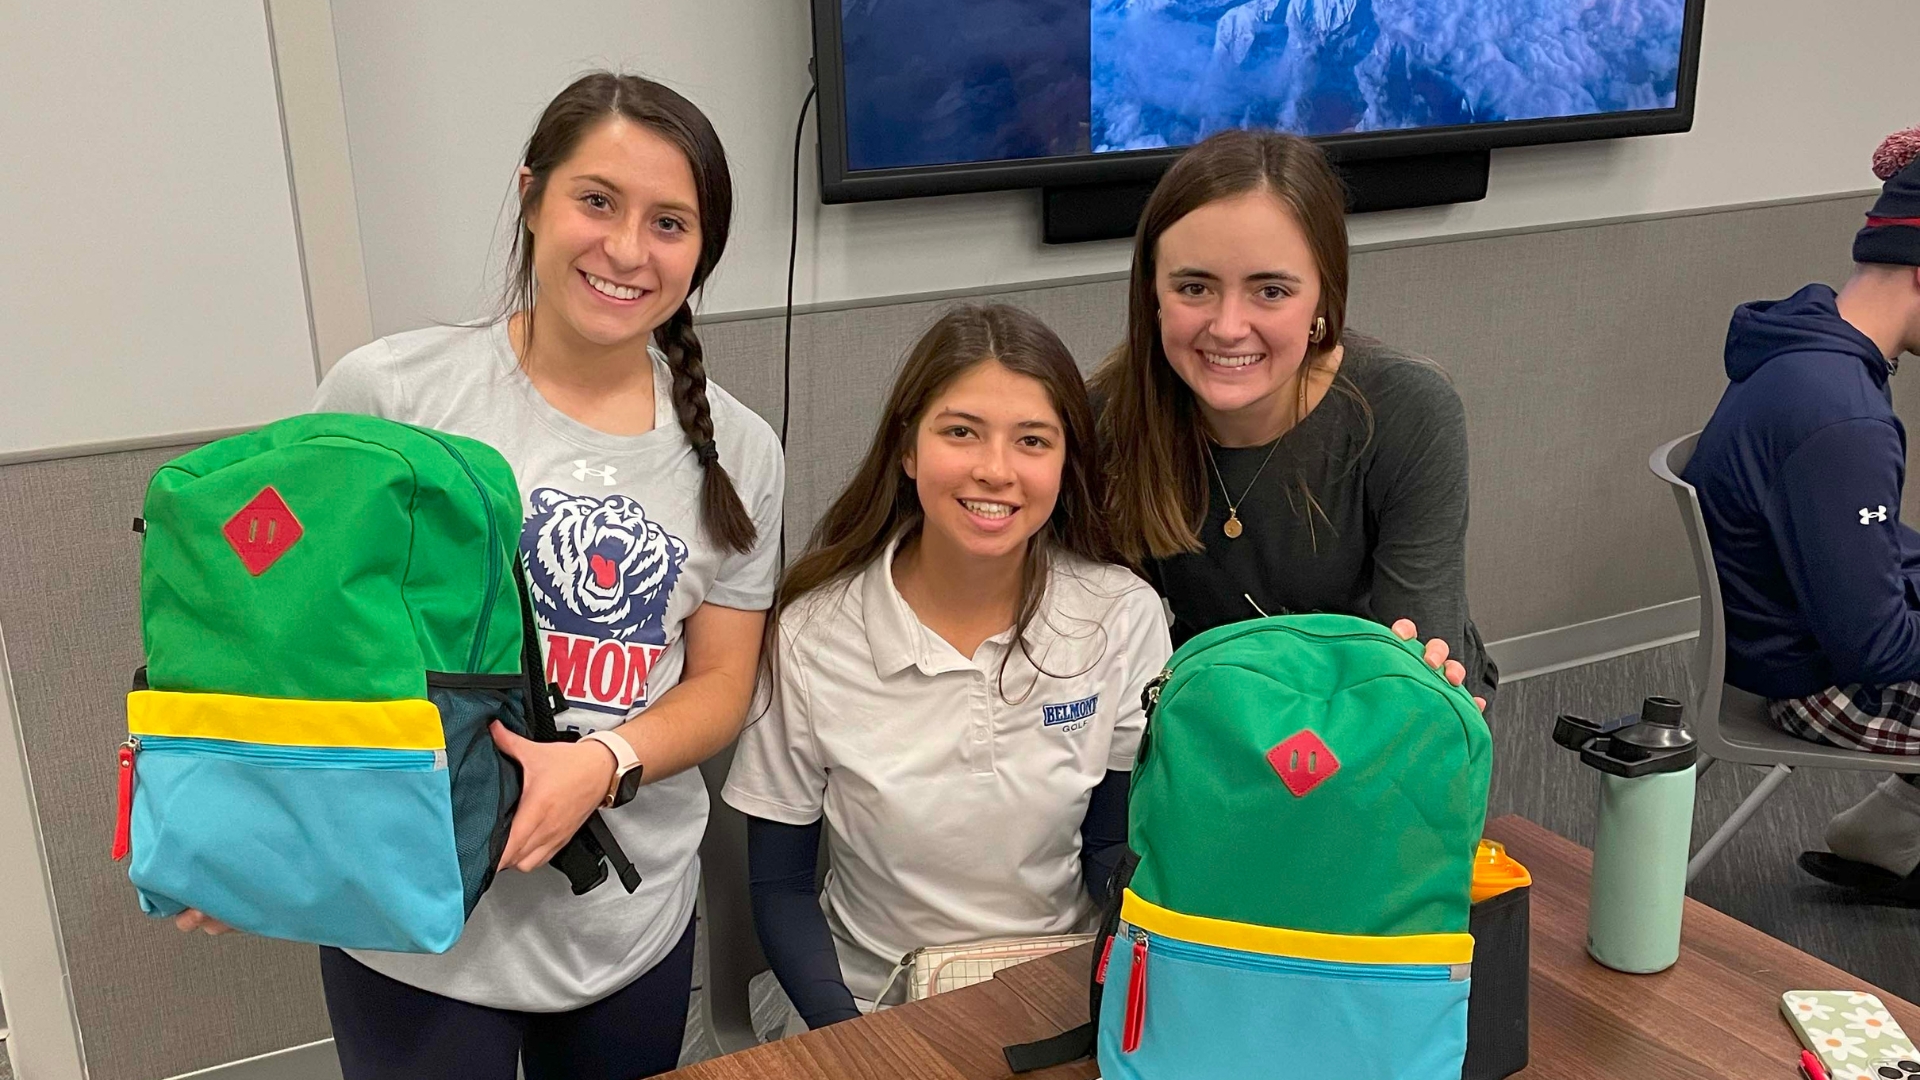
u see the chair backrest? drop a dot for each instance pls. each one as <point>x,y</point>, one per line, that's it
<point>1709,666</point>
<point>733,946</point>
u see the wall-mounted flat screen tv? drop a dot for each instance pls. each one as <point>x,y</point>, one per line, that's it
<point>928,97</point>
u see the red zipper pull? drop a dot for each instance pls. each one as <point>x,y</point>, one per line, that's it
<point>1136,998</point>
<point>1106,954</point>
<point>123,830</point>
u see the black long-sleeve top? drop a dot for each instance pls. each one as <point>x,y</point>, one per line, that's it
<point>1384,534</point>
<point>782,867</point>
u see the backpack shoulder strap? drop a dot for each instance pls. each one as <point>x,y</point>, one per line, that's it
<point>585,857</point>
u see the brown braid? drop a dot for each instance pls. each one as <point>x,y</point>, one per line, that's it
<point>720,507</point>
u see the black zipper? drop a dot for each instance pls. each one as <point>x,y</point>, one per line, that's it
<point>1150,697</point>
<point>466,680</point>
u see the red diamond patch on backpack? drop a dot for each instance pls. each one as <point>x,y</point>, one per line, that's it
<point>1303,761</point>
<point>262,531</point>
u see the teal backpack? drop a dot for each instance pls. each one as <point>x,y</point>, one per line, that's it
<point>1306,807</point>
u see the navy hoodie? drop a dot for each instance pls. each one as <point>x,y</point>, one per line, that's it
<point>1799,474</point>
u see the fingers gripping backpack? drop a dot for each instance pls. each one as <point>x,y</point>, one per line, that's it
<point>332,614</point>
<point>1305,810</point>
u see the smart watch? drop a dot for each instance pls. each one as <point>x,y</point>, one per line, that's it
<point>626,768</point>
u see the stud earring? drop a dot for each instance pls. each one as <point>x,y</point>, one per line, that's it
<point>1319,333</point>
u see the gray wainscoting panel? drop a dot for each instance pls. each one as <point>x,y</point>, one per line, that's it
<point>1577,352</point>
<point>153,1002</point>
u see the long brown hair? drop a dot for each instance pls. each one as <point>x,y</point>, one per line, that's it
<point>590,101</point>
<point>1150,427</point>
<point>882,503</point>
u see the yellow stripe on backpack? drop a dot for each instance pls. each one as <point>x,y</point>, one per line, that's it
<point>1304,944</point>
<point>409,724</point>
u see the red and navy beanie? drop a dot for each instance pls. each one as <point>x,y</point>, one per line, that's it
<point>1892,234</point>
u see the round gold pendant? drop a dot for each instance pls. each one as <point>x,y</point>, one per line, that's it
<point>1232,527</point>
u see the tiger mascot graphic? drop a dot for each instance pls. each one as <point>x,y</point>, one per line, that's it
<point>601,573</point>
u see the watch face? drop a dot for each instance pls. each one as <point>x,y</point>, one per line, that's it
<point>629,787</point>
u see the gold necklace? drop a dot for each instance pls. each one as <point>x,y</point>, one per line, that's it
<point>1233,528</point>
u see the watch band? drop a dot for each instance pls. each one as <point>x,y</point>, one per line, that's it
<point>624,760</point>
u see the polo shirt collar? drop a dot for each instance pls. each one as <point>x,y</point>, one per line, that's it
<point>898,640</point>
<point>895,637</point>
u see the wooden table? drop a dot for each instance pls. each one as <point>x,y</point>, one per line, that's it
<point>954,1036</point>
<point>1713,1016</point>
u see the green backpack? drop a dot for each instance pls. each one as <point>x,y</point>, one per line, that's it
<point>332,614</point>
<point>1305,809</point>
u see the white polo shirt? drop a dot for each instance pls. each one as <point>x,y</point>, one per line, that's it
<point>953,812</point>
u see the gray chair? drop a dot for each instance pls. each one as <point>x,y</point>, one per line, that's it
<point>1732,724</point>
<point>733,947</point>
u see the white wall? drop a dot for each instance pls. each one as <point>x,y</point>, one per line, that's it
<point>152,280</point>
<point>440,95</point>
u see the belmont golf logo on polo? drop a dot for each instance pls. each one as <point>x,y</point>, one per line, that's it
<point>1070,715</point>
<point>601,574</point>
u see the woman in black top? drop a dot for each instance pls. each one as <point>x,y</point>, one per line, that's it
<point>1263,459</point>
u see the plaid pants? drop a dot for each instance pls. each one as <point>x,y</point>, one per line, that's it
<point>1832,716</point>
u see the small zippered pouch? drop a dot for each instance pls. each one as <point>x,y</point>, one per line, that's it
<point>1206,999</point>
<point>278,819</point>
<point>938,969</point>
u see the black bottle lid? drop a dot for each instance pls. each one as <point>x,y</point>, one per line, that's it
<point>1658,743</point>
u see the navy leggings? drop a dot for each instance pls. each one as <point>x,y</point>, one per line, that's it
<point>387,1030</point>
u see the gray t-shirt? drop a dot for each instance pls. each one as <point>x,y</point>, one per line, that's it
<point>617,559</point>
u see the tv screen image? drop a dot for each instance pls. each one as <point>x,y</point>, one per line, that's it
<point>925,97</point>
<point>964,80</point>
<point>1171,72</point>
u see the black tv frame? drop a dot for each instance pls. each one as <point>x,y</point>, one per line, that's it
<point>838,184</point>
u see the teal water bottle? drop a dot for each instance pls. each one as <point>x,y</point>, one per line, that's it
<point>1645,822</point>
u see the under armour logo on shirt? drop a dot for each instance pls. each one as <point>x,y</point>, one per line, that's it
<point>1867,517</point>
<point>604,473</point>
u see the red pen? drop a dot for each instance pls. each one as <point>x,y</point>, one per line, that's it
<point>1810,1066</point>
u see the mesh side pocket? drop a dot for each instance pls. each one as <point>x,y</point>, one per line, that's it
<point>486,784</point>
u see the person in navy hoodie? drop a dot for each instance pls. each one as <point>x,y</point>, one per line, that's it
<point>1800,474</point>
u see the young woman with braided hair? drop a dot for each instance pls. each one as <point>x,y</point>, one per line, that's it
<point>650,540</point>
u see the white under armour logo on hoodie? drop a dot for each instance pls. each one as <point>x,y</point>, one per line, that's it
<point>604,473</point>
<point>1867,517</point>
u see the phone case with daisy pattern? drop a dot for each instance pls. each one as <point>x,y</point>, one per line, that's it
<point>1849,1030</point>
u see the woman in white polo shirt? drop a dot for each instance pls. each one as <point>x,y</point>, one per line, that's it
<point>956,683</point>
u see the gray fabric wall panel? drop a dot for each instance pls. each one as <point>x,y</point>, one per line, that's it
<point>1575,351</point>
<point>153,1002</point>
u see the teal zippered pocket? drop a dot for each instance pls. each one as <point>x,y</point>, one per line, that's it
<point>1182,1010</point>
<point>293,757</point>
<point>336,845</point>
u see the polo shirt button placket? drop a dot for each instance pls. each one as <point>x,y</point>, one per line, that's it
<point>981,752</point>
